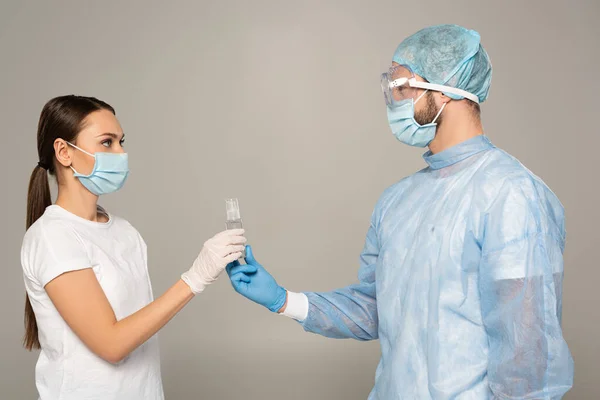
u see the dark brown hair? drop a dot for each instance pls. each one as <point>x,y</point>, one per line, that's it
<point>61,118</point>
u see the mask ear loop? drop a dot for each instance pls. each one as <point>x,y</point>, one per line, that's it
<point>439,113</point>
<point>83,151</point>
<point>421,96</point>
<point>80,149</point>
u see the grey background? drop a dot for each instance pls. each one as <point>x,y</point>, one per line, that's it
<point>278,103</point>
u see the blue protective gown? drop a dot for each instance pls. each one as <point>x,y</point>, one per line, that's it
<point>461,280</point>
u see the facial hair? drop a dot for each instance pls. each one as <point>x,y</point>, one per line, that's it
<point>427,114</point>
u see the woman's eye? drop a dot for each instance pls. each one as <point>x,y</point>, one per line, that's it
<point>122,142</point>
<point>107,143</point>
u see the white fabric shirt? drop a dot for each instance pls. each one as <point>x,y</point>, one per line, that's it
<point>59,242</point>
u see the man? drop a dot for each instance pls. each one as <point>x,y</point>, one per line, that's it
<point>461,273</point>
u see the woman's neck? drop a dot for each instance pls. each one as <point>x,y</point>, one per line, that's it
<point>79,201</point>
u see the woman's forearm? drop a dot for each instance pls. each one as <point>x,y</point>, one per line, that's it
<point>129,333</point>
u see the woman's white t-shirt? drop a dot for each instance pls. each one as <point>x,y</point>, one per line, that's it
<point>59,242</point>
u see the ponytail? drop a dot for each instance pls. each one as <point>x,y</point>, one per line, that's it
<point>38,198</point>
<point>38,195</point>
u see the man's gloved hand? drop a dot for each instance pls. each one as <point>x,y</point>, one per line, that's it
<point>255,283</point>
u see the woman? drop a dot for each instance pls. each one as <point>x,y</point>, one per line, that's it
<point>89,303</point>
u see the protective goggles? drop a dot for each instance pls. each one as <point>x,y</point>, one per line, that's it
<point>400,83</point>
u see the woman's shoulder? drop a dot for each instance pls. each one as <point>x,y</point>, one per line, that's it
<point>48,241</point>
<point>49,224</point>
<point>57,223</point>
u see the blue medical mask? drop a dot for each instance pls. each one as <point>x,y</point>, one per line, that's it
<point>109,173</point>
<point>401,118</point>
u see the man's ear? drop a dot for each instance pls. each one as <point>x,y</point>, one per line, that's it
<point>443,99</point>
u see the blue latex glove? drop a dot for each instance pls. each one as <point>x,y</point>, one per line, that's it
<point>255,283</point>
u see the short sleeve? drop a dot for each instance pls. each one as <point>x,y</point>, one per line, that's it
<point>50,249</point>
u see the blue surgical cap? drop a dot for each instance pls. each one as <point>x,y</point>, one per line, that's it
<point>448,55</point>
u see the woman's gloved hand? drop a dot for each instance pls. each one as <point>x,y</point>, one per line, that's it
<point>217,252</point>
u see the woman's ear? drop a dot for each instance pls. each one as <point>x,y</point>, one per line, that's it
<point>62,152</point>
